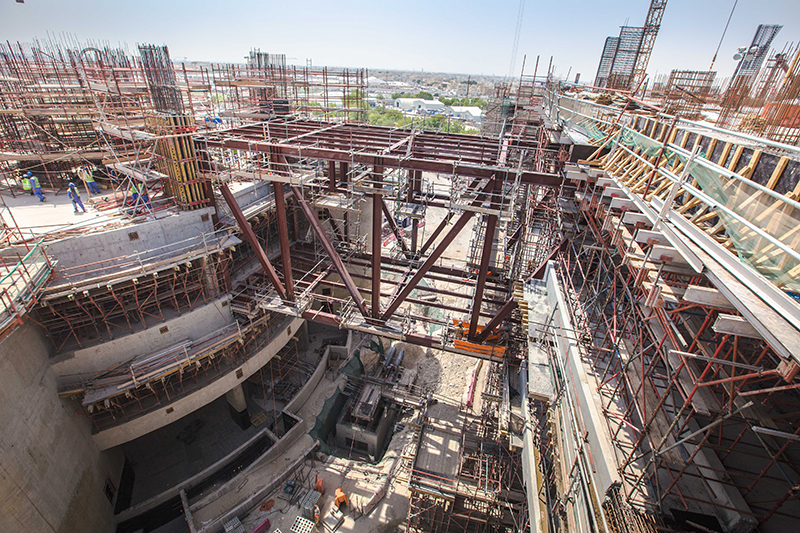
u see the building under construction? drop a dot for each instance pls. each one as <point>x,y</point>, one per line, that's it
<point>277,317</point>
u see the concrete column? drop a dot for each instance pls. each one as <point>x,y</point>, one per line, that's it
<point>210,276</point>
<point>238,406</point>
<point>302,337</point>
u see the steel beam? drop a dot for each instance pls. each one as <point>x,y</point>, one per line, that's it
<point>334,225</point>
<point>247,230</point>
<point>331,251</point>
<point>393,224</point>
<point>540,269</point>
<point>361,154</point>
<point>436,253</point>
<point>283,237</point>
<point>436,232</point>
<point>488,240</point>
<point>331,176</point>
<point>414,187</point>
<point>377,225</point>
<point>501,315</point>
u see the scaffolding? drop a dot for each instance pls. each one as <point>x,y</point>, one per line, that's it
<point>686,92</point>
<point>700,414</point>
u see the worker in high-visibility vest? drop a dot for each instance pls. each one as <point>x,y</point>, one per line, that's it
<point>340,498</point>
<point>75,196</point>
<point>37,189</point>
<point>27,185</point>
<point>85,173</point>
<point>139,190</point>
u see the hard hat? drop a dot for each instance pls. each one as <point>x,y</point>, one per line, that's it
<point>71,184</point>
<point>29,174</point>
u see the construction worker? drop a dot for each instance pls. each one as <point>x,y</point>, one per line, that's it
<point>136,191</point>
<point>85,173</point>
<point>37,189</point>
<point>316,515</point>
<point>340,498</point>
<point>26,185</point>
<point>75,196</point>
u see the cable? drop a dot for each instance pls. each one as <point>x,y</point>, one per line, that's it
<point>723,35</point>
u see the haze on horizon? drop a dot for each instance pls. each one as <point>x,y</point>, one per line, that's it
<point>466,36</point>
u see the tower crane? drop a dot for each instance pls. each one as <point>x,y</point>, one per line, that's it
<point>651,27</point>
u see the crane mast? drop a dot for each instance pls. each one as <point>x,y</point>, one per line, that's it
<point>651,26</point>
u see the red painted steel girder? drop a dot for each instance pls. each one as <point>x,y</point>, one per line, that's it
<point>247,230</point>
<point>436,253</point>
<point>501,315</point>
<point>371,145</point>
<point>331,251</point>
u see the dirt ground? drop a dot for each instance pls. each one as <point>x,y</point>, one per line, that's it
<point>446,375</point>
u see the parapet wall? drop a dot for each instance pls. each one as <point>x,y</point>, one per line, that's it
<point>155,235</point>
<point>188,326</point>
<point>176,410</point>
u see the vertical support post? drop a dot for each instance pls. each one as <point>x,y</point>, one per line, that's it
<point>488,241</point>
<point>414,186</point>
<point>247,230</point>
<point>338,264</point>
<point>377,223</point>
<point>283,237</point>
<point>331,176</point>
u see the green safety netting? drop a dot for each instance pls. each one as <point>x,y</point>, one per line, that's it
<point>770,215</point>
<point>760,210</point>
<point>633,139</point>
<point>354,367</point>
<point>326,419</point>
<point>591,130</point>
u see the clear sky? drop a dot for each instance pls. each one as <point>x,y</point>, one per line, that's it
<point>464,36</point>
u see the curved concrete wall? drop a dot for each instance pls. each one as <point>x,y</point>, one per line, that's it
<point>168,414</point>
<point>111,244</point>
<point>190,325</point>
<point>52,476</point>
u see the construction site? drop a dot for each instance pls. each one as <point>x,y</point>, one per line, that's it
<point>583,319</point>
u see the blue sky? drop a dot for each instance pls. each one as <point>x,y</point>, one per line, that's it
<point>452,36</point>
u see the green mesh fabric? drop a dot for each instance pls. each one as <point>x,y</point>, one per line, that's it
<point>633,139</point>
<point>354,367</point>
<point>326,420</point>
<point>779,220</point>
<point>775,218</point>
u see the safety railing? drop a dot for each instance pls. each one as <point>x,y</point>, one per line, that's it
<point>146,261</point>
<point>756,223</point>
<point>20,285</point>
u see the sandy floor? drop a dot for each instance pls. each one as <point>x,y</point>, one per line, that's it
<point>55,214</point>
<point>447,375</point>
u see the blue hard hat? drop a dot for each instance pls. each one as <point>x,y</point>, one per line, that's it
<point>29,174</point>
<point>71,184</point>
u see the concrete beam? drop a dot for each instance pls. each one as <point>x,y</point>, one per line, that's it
<point>735,325</point>
<point>707,296</point>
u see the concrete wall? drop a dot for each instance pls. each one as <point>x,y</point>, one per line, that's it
<point>117,242</point>
<point>190,483</point>
<point>192,325</point>
<point>178,409</point>
<point>373,439</point>
<point>585,397</point>
<point>247,196</point>
<point>52,474</point>
<point>303,394</point>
